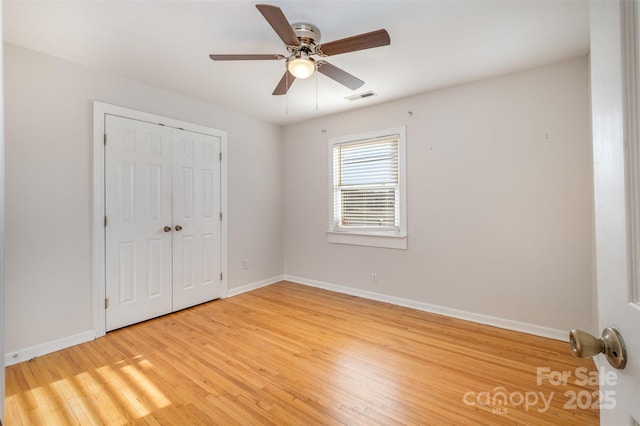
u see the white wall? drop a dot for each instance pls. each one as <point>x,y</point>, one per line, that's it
<point>499,200</point>
<point>2,302</point>
<point>49,120</point>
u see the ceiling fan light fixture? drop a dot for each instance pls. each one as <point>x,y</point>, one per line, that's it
<point>301,66</point>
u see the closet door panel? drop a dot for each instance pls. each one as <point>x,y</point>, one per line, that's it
<point>196,217</point>
<point>137,206</point>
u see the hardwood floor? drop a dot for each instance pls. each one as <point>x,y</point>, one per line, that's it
<point>290,354</point>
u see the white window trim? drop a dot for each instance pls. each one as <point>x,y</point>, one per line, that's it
<point>392,239</point>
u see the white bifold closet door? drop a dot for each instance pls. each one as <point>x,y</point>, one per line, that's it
<point>162,206</point>
<point>196,208</point>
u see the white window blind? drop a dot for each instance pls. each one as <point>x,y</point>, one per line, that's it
<point>366,185</point>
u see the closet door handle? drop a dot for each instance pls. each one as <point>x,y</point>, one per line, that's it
<point>167,229</point>
<point>178,228</point>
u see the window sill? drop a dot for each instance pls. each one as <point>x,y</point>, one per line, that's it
<point>370,240</point>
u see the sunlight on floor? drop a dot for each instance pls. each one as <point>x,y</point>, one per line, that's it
<point>95,397</point>
<point>153,393</point>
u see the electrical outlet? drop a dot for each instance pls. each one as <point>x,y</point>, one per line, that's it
<point>245,264</point>
<point>374,278</point>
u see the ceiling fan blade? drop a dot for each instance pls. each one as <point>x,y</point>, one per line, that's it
<point>339,75</point>
<point>245,57</point>
<point>285,83</point>
<point>279,23</point>
<point>358,42</point>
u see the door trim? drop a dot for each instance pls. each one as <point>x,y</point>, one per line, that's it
<point>100,109</point>
<point>631,95</point>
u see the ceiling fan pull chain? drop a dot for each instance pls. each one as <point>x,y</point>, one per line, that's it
<point>286,93</point>
<point>316,91</point>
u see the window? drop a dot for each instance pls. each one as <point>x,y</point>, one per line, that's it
<point>368,189</point>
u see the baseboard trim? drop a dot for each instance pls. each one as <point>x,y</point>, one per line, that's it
<point>522,327</point>
<point>253,286</point>
<point>48,347</point>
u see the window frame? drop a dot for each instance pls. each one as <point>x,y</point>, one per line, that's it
<point>370,236</point>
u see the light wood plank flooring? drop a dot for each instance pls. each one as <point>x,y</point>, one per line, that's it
<point>290,354</point>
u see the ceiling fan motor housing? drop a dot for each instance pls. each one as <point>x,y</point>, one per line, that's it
<point>309,35</point>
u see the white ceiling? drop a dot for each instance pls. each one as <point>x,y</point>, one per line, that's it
<point>434,44</point>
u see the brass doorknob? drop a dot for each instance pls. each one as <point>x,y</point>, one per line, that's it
<point>584,345</point>
<point>178,228</point>
<point>167,229</point>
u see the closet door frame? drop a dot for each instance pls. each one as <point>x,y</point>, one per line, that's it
<point>100,110</point>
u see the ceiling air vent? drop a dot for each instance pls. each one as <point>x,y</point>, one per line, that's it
<point>361,96</point>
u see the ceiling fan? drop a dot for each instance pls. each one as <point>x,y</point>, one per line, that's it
<point>302,41</point>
